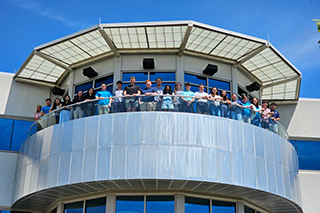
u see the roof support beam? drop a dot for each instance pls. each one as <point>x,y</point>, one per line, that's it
<point>38,82</point>
<point>109,42</point>
<point>281,82</point>
<point>252,54</point>
<point>185,39</point>
<point>48,58</point>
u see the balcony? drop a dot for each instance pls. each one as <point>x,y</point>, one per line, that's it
<point>158,151</point>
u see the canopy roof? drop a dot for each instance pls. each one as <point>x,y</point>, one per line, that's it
<point>279,79</point>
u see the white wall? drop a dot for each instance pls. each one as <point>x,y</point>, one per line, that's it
<point>102,67</point>
<point>301,119</point>
<point>161,62</point>
<point>197,65</point>
<point>8,161</point>
<point>310,190</point>
<point>21,99</point>
<point>244,80</point>
<point>5,85</point>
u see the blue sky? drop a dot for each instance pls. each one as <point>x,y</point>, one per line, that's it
<point>26,24</point>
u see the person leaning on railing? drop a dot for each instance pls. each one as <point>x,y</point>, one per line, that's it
<point>132,91</point>
<point>215,102</point>
<point>225,105</point>
<point>187,102</point>
<point>56,105</point>
<point>246,109</point>
<point>235,110</point>
<point>89,105</point>
<point>104,98</point>
<point>78,110</point>
<point>202,100</point>
<point>118,103</point>
<point>147,102</point>
<point>65,114</point>
<point>177,101</point>
<point>255,113</point>
<point>274,117</point>
<point>265,115</point>
<point>167,99</point>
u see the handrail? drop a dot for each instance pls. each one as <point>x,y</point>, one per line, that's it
<point>157,103</point>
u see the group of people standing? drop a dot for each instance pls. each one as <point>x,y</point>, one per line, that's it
<point>133,98</point>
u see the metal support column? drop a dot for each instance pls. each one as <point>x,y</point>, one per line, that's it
<point>234,80</point>
<point>111,203</point>
<point>180,71</point>
<point>116,71</point>
<point>179,203</point>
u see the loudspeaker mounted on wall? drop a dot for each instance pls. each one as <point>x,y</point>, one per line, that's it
<point>89,72</point>
<point>58,91</point>
<point>210,69</point>
<point>255,86</point>
<point>148,63</point>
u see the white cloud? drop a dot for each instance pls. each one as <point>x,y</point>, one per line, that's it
<point>39,9</point>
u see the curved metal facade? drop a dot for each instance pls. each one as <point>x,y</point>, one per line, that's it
<point>176,147</point>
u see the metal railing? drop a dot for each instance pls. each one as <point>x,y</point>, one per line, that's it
<point>173,103</point>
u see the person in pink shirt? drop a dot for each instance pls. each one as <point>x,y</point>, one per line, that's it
<point>265,115</point>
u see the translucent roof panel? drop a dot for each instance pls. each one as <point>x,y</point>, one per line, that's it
<point>133,37</point>
<point>285,91</point>
<point>165,36</point>
<point>41,69</point>
<point>220,44</point>
<point>78,48</point>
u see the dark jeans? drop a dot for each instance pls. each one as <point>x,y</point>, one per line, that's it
<point>202,107</point>
<point>186,108</point>
<point>118,107</point>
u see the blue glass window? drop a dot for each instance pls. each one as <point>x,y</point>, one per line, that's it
<point>140,76</point>
<point>193,79</point>
<point>131,204</point>
<point>165,76</point>
<point>308,154</point>
<point>76,207</point>
<point>196,205</point>
<point>6,126</point>
<point>20,132</point>
<point>142,86</point>
<point>170,84</point>
<point>107,80</point>
<point>159,204</point>
<point>221,85</point>
<point>223,207</point>
<point>96,205</point>
<point>83,87</point>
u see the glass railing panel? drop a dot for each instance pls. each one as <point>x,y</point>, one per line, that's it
<point>165,103</point>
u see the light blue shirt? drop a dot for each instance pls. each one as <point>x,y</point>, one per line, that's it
<point>188,93</point>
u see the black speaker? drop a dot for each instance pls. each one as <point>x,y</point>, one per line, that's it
<point>253,87</point>
<point>148,63</point>
<point>89,72</point>
<point>210,69</point>
<point>58,91</point>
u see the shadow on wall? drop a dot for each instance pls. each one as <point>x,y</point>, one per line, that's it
<point>286,113</point>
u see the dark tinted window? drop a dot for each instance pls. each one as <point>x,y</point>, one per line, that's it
<point>140,76</point>
<point>76,207</point>
<point>107,80</point>
<point>223,207</point>
<point>308,154</point>
<point>96,205</point>
<point>221,85</point>
<point>196,205</point>
<point>20,131</point>
<point>83,87</point>
<point>6,126</point>
<point>195,79</point>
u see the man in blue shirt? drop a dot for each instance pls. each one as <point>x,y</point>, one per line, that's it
<point>159,88</point>
<point>187,102</point>
<point>274,118</point>
<point>104,102</point>
<point>147,102</point>
<point>46,109</point>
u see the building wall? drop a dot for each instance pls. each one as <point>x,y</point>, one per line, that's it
<point>301,119</point>
<point>22,98</point>
<point>8,162</point>
<point>310,193</point>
